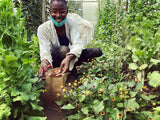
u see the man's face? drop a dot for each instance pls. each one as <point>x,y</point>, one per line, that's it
<point>58,11</point>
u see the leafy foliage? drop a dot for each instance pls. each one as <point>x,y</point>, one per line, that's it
<point>102,93</point>
<point>124,82</point>
<point>32,11</point>
<point>143,33</point>
<point>19,91</point>
<point>106,21</point>
<point>75,7</point>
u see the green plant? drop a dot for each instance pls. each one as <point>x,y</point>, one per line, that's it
<point>101,93</point>
<point>86,98</point>
<point>19,91</point>
<point>129,68</point>
<point>144,37</point>
<point>75,7</point>
<point>32,11</point>
<point>106,21</point>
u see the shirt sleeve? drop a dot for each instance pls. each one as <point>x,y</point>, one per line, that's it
<point>44,43</point>
<point>76,43</point>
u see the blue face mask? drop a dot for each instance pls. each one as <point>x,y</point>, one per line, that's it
<point>58,24</point>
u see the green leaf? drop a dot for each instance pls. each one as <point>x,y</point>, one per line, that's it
<point>113,113</point>
<point>98,107</point>
<point>59,102</point>
<point>157,109</point>
<point>131,83</point>
<point>154,79</point>
<point>68,106</point>
<point>142,67</point>
<point>81,98</point>
<point>5,111</point>
<point>76,116</point>
<point>135,58</point>
<point>147,97</point>
<point>33,96</point>
<point>2,74</point>
<point>131,103</point>
<point>147,113</point>
<point>133,94</point>
<point>89,118</point>
<point>27,87</point>
<point>133,66</point>
<point>120,105</point>
<point>35,106</point>
<point>140,116</point>
<point>105,97</point>
<point>36,118</point>
<point>7,79</point>
<point>144,97</point>
<point>96,101</point>
<point>15,113</point>
<point>25,96</point>
<point>85,110</point>
<point>140,77</point>
<point>29,61</point>
<point>11,61</point>
<point>157,117</point>
<point>111,86</point>
<point>15,92</point>
<point>154,61</point>
<point>1,51</point>
<point>18,98</point>
<point>95,82</point>
<point>139,86</point>
<point>152,96</point>
<point>32,80</point>
<point>85,83</point>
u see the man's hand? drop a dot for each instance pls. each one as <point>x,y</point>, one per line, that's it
<point>43,66</point>
<point>65,63</point>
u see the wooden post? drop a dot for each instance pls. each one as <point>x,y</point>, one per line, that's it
<point>117,12</point>
<point>99,6</point>
<point>12,7</point>
<point>127,5</point>
<point>43,11</point>
<point>116,17</point>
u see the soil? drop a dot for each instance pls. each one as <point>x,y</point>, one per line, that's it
<point>51,110</point>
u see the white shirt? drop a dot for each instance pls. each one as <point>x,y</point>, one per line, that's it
<point>48,39</point>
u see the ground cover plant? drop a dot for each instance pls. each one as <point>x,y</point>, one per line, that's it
<point>123,84</point>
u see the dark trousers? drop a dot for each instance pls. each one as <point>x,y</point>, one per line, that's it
<point>87,55</point>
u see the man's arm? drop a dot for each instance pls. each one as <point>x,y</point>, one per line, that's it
<point>66,62</point>
<point>44,45</point>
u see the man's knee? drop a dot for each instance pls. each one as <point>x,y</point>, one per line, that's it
<point>98,52</point>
